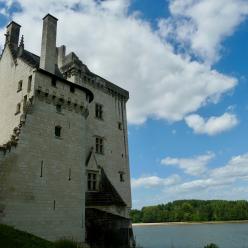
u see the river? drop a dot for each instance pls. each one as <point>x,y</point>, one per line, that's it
<point>227,235</point>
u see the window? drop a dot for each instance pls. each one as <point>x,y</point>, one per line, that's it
<point>87,97</point>
<point>72,89</point>
<point>18,108</point>
<point>41,169</point>
<point>54,82</point>
<point>119,125</point>
<point>92,181</point>
<point>29,83</point>
<point>58,131</point>
<point>19,86</point>
<point>121,176</point>
<point>99,145</point>
<point>58,108</point>
<point>25,99</point>
<point>99,111</point>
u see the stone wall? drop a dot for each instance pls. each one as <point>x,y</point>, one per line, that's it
<point>11,73</point>
<point>42,180</point>
<point>115,158</point>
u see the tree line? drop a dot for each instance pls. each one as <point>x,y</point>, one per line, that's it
<point>192,210</point>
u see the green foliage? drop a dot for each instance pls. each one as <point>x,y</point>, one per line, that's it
<point>13,238</point>
<point>66,244</point>
<point>192,210</point>
<point>211,246</point>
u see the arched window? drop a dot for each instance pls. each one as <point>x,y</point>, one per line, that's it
<point>58,131</point>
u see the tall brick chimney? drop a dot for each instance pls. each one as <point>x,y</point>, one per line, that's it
<point>48,57</point>
<point>13,33</point>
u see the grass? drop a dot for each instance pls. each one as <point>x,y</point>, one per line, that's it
<point>13,238</point>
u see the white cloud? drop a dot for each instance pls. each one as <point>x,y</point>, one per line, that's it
<point>193,166</point>
<point>236,170</point>
<point>212,126</point>
<point>224,182</point>
<point>154,181</point>
<point>125,50</point>
<point>203,24</point>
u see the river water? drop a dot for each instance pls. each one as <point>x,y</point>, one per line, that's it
<point>228,235</point>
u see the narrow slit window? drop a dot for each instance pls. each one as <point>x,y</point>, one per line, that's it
<point>54,82</point>
<point>119,125</point>
<point>19,86</point>
<point>41,169</point>
<point>72,89</point>
<point>121,176</point>
<point>25,99</point>
<point>29,83</point>
<point>69,175</point>
<point>18,108</point>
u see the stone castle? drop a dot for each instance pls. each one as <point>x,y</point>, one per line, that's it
<point>64,165</point>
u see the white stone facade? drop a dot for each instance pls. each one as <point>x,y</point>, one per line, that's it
<point>43,175</point>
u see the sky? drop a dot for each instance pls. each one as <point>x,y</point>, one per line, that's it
<point>184,63</point>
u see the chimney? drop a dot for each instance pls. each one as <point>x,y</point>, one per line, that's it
<point>13,32</point>
<point>61,55</point>
<point>48,57</point>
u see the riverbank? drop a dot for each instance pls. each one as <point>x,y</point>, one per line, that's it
<point>190,223</point>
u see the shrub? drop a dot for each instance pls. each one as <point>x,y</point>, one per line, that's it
<point>63,243</point>
<point>211,246</point>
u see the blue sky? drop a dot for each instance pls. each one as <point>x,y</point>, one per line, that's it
<point>185,65</point>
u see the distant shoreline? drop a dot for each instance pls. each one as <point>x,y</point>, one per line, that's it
<point>190,223</point>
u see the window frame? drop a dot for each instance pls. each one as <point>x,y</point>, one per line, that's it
<point>99,145</point>
<point>92,181</point>
<point>99,111</point>
<point>58,131</point>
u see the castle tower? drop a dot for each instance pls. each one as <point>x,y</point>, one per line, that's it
<point>64,164</point>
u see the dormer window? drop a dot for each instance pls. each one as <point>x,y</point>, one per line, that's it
<point>92,181</point>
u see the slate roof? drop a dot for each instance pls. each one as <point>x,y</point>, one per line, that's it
<point>106,196</point>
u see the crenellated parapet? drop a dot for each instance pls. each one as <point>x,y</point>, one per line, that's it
<point>68,104</point>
